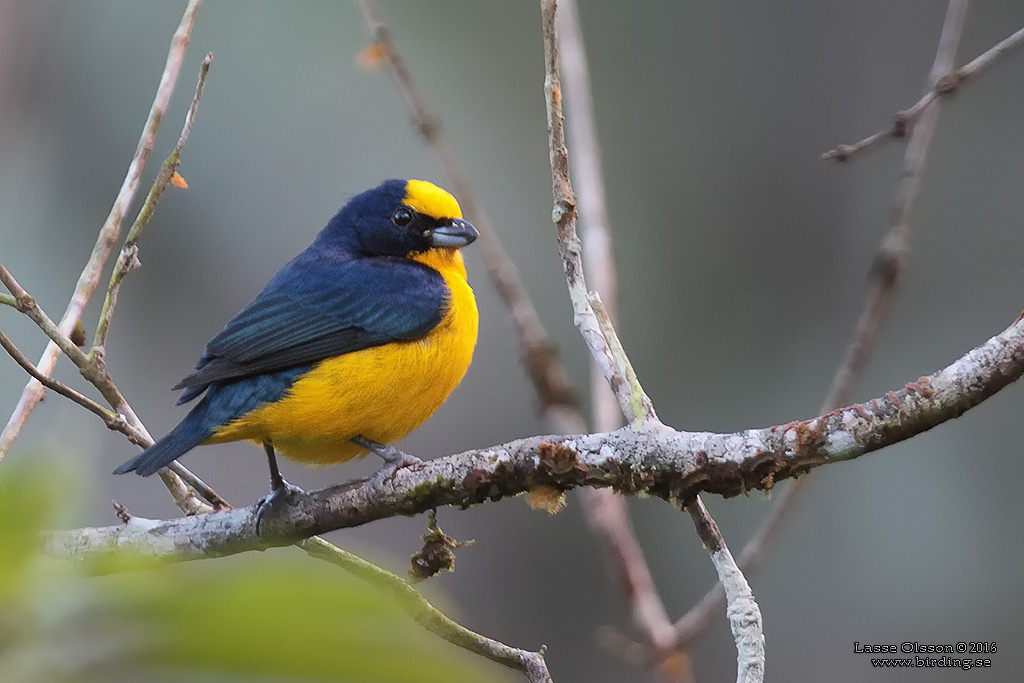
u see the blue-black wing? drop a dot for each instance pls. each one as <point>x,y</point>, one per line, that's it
<point>319,306</point>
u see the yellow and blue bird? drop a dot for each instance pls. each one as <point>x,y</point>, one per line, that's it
<point>351,346</point>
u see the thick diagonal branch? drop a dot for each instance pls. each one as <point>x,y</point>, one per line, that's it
<point>654,460</point>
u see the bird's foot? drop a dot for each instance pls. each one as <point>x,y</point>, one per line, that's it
<point>281,494</point>
<point>394,459</point>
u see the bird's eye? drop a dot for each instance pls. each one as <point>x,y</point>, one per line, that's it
<point>402,217</point>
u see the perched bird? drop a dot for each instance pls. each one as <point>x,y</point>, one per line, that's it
<point>351,346</point>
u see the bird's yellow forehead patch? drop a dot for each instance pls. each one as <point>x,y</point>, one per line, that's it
<point>430,200</point>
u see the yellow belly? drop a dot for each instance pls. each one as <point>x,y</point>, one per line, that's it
<point>382,393</point>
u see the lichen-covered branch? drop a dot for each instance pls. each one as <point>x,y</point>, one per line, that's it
<point>744,614</point>
<point>654,459</point>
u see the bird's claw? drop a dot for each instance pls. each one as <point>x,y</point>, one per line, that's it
<point>394,459</point>
<point>391,467</point>
<point>275,500</point>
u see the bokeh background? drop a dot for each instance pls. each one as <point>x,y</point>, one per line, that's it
<point>742,261</point>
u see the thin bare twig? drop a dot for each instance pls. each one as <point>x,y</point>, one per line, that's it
<point>606,512</point>
<point>598,259</point>
<point>109,417</point>
<point>117,422</point>
<point>891,258</point>
<point>632,399</point>
<point>531,664</point>
<point>889,265</point>
<point>619,373</point>
<point>179,481</point>
<point>987,58</point>
<point>128,259</point>
<point>109,232</point>
<point>27,305</point>
<point>944,83</point>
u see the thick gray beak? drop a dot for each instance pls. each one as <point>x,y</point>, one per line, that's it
<point>456,233</point>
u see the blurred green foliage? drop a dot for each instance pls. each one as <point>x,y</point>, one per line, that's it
<point>278,615</point>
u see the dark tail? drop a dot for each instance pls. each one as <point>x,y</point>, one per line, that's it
<point>223,403</point>
<point>189,433</point>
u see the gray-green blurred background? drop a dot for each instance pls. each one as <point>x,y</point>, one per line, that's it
<point>742,262</point>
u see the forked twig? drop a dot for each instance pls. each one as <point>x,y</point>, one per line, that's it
<point>179,481</point>
<point>109,232</point>
<point>945,83</point>
<point>612,359</point>
<point>128,259</point>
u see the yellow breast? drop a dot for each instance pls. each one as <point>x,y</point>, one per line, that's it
<point>381,393</point>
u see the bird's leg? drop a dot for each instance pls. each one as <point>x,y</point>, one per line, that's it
<point>394,459</point>
<point>280,490</point>
<point>277,482</point>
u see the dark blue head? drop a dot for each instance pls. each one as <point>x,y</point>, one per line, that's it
<point>399,218</point>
